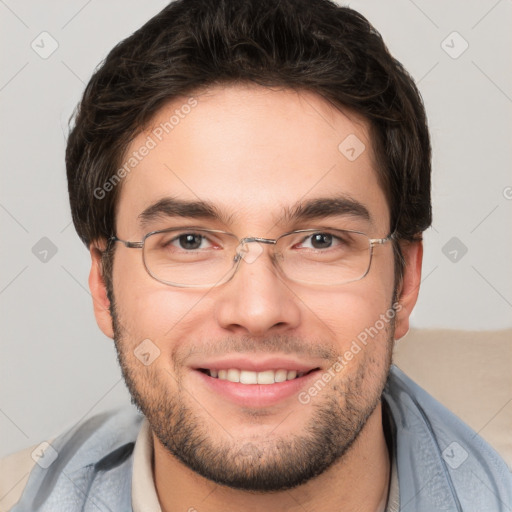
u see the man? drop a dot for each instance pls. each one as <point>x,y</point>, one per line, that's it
<point>252,179</point>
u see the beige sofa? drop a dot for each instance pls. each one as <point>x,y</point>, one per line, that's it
<point>469,372</point>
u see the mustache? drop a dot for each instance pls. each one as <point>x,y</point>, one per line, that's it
<point>252,345</point>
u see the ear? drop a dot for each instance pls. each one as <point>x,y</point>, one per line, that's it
<point>99,293</point>
<point>409,286</point>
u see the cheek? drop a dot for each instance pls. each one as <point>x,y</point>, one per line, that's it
<point>349,311</point>
<point>147,309</point>
<point>347,316</point>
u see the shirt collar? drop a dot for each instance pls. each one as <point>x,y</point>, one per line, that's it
<point>144,496</point>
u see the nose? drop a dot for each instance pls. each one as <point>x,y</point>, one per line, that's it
<point>257,299</point>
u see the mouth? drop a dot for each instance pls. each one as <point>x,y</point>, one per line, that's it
<point>248,377</point>
<point>253,380</point>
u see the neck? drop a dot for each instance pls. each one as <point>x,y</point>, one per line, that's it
<point>359,482</point>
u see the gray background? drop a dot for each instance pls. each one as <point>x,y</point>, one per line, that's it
<point>56,365</point>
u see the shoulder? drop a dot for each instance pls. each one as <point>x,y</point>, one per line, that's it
<point>437,448</point>
<point>98,440</point>
<point>14,472</point>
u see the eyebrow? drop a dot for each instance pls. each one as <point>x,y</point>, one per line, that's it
<point>173,207</point>
<point>337,206</point>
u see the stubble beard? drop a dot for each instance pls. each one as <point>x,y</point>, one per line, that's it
<point>267,464</point>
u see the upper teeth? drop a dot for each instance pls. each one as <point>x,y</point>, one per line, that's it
<point>248,377</point>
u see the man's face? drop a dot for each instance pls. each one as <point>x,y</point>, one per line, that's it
<point>254,153</point>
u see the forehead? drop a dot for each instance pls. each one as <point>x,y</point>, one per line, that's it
<point>252,152</point>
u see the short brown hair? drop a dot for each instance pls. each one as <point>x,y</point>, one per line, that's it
<point>311,45</point>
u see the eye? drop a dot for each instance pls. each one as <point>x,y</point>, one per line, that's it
<point>190,241</point>
<point>320,241</point>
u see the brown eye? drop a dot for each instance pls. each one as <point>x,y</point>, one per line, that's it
<point>321,240</point>
<point>190,241</point>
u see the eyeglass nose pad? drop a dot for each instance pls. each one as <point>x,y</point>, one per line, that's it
<point>249,251</point>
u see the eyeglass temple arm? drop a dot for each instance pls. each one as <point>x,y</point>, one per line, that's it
<point>375,241</point>
<point>130,245</point>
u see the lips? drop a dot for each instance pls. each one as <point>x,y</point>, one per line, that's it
<point>254,381</point>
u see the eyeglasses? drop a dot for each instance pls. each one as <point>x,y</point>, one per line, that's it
<point>191,257</point>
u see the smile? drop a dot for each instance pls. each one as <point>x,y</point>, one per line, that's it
<point>252,377</point>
